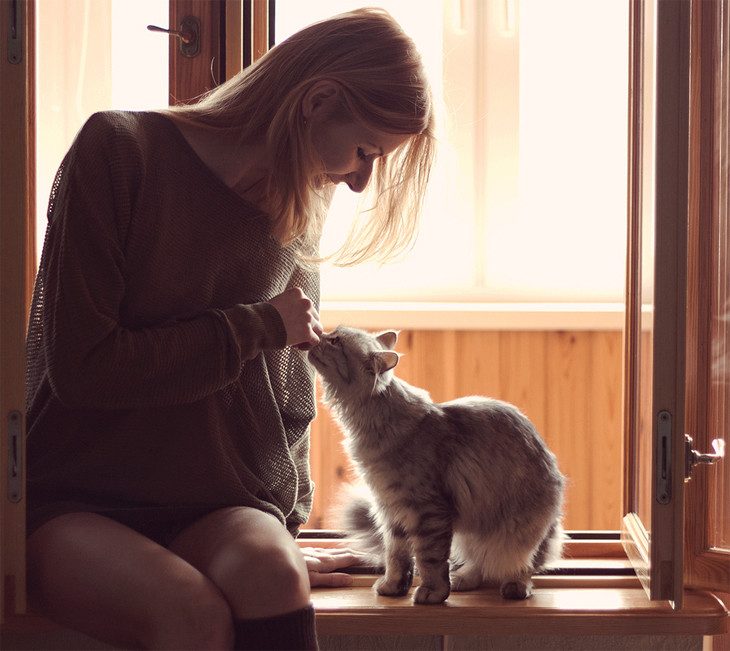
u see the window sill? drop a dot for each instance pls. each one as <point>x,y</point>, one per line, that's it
<point>594,592</point>
<point>559,606</point>
<point>473,316</point>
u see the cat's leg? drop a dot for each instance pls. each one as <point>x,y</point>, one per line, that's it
<point>468,550</point>
<point>398,563</point>
<point>432,546</point>
<point>519,587</point>
<point>467,577</point>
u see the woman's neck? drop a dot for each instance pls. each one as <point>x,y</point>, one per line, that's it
<point>240,165</point>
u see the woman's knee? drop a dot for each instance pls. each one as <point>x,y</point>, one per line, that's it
<point>196,616</point>
<point>264,581</point>
<point>251,557</point>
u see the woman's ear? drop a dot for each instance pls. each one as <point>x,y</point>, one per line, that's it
<point>320,98</point>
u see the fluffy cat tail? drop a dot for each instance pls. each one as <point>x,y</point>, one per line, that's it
<point>356,514</point>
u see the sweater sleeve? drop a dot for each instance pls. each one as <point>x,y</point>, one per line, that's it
<point>92,360</point>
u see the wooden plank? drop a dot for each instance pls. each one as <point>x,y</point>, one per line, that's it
<point>17,271</point>
<point>260,21</point>
<point>234,37</point>
<point>606,458</point>
<point>595,551</point>
<point>550,611</point>
<point>190,77</point>
<point>707,557</point>
<point>522,356</point>
<point>478,363</point>
<point>569,427</point>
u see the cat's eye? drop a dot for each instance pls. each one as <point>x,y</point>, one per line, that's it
<point>335,341</point>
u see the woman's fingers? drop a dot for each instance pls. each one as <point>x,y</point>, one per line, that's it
<point>300,317</point>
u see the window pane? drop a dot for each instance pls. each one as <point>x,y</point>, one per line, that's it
<point>528,200</point>
<point>720,382</point>
<point>447,232</point>
<point>565,239</point>
<point>643,499</point>
<point>92,55</point>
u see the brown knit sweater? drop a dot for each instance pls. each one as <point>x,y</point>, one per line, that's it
<point>158,377</point>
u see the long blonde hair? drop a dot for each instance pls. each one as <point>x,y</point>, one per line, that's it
<point>384,87</point>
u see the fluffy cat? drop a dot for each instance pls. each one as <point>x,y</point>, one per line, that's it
<point>467,483</point>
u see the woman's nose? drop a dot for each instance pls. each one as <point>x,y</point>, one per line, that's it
<point>359,179</point>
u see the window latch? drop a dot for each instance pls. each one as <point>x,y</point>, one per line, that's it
<point>189,35</point>
<point>692,457</point>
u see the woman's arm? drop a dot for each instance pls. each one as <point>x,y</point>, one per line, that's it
<point>92,359</point>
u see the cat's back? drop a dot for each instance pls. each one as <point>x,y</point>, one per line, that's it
<point>496,427</point>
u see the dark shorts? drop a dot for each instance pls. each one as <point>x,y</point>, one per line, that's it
<point>161,524</point>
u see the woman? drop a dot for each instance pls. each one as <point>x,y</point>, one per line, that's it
<point>169,400</point>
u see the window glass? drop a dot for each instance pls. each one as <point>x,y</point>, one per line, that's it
<point>528,199</point>
<point>92,55</point>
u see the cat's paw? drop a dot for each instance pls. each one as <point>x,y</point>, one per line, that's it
<point>461,582</point>
<point>516,589</point>
<point>429,594</point>
<point>394,587</point>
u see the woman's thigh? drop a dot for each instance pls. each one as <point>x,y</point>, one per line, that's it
<point>251,557</point>
<point>100,577</point>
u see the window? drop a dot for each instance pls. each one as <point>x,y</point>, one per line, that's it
<point>97,70</point>
<point>12,513</point>
<point>532,100</point>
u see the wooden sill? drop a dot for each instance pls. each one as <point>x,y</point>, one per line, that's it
<point>593,592</point>
<point>618,607</point>
<point>592,595</point>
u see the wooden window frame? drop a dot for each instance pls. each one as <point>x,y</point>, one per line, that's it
<point>17,274</point>
<point>17,237</point>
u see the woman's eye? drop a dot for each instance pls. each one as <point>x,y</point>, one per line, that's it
<point>361,153</point>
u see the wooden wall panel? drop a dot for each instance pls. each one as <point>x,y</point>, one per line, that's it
<point>568,383</point>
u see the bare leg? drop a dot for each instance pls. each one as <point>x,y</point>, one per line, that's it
<point>251,557</point>
<point>99,577</point>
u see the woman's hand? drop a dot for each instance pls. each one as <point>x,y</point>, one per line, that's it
<point>300,318</point>
<point>323,563</point>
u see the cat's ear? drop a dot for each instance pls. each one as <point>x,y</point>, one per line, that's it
<point>388,339</point>
<point>385,361</point>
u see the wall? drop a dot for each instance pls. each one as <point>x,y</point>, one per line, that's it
<point>568,382</point>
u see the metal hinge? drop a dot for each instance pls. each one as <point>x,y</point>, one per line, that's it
<point>16,15</point>
<point>663,458</point>
<point>15,464</point>
<point>692,457</point>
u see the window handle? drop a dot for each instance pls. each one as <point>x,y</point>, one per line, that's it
<point>692,457</point>
<point>189,35</point>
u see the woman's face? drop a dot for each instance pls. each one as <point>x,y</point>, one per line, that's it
<point>348,150</point>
